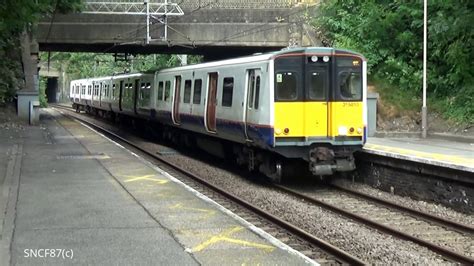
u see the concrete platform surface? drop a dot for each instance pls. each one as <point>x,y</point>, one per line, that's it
<point>73,196</point>
<point>445,153</point>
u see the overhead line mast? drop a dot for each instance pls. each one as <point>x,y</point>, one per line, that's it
<point>150,10</point>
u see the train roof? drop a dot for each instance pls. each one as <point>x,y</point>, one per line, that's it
<point>263,57</point>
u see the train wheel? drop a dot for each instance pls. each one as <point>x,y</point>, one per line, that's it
<point>273,169</point>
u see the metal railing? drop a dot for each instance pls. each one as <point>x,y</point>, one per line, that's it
<point>138,5</point>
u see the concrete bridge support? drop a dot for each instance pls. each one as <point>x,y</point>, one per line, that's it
<point>28,98</point>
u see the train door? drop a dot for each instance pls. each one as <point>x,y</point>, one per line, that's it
<point>121,95</point>
<point>317,97</point>
<point>211,102</point>
<point>177,89</point>
<point>100,92</point>
<point>253,99</point>
<point>135,95</point>
<point>78,92</point>
<point>93,99</point>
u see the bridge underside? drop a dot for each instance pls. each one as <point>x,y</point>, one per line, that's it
<point>211,32</point>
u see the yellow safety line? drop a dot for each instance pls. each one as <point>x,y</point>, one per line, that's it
<point>208,212</point>
<point>225,237</point>
<point>425,155</point>
<point>146,177</point>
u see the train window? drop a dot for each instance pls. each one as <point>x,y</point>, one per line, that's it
<point>227,91</point>
<point>318,85</point>
<point>257,92</point>
<point>187,91</point>
<point>350,85</point>
<point>160,90</point>
<point>251,88</point>
<point>286,88</point>
<point>142,91</point>
<point>146,91</point>
<point>197,91</point>
<point>167,90</point>
<point>113,91</point>
<point>89,90</point>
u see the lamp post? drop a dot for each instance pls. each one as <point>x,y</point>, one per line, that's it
<point>423,108</point>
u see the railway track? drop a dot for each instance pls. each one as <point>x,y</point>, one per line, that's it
<point>299,239</point>
<point>452,240</point>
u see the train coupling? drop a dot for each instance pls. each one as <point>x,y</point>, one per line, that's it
<point>322,161</point>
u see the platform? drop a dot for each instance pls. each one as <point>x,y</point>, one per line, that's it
<point>70,189</point>
<point>432,151</point>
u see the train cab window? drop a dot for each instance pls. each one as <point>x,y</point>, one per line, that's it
<point>160,91</point>
<point>257,92</point>
<point>187,91</point>
<point>227,91</point>
<point>167,90</point>
<point>318,85</point>
<point>350,85</point>
<point>286,89</point>
<point>197,91</point>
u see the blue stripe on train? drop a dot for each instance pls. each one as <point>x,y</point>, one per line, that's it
<point>262,136</point>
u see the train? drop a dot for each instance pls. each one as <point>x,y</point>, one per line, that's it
<point>281,113</point>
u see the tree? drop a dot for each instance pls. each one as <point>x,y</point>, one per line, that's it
<point>16,17</point>
<point>389,34</point>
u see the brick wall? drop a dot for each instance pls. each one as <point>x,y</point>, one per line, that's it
<point>449,187</point>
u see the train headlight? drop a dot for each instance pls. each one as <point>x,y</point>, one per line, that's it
<point>359,130</point>
<point>278,131</point>
<point>342,131</point>
<point>314,58</point>
<point>351,130</point>
<point>286,131</point>
<point>326,58</point>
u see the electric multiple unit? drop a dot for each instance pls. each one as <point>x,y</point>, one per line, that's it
<point>275,112</point>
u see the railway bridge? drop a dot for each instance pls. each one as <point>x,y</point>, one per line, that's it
<point>217,28</point>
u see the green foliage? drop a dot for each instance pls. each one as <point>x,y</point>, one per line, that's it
<point>42,92</point>
<point>17,16</point>
<point>390,34</point>
<point>86,65</point>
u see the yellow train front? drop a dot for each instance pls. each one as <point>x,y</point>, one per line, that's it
<point>319,107</point>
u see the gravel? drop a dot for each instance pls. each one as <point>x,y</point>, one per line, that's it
<point>432,208</point>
